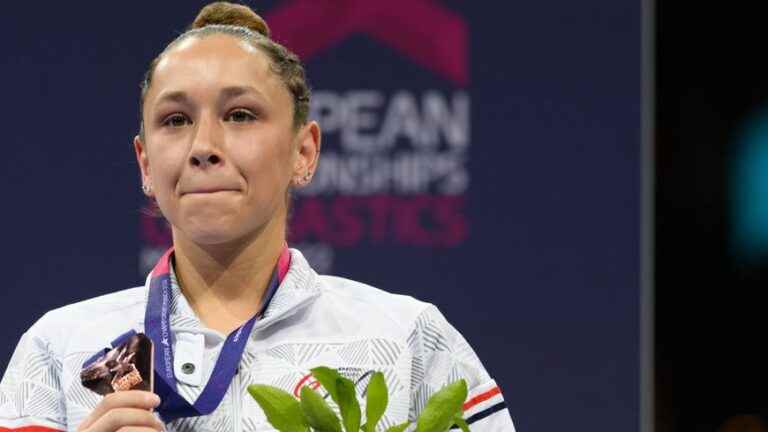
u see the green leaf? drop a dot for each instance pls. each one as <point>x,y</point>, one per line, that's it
<point>319,415</point>
<point>348,405</point>
<point>281,408</point>
<point>458,419</point>
<point>399,428</point>
<point>327,378</point>
<point>437,415</point>
<point>342,392</point>
<point>376,401</point>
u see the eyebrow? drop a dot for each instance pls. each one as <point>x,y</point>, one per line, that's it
<point>230,92</point>
<point>234,91</point>
<point>174,96</point>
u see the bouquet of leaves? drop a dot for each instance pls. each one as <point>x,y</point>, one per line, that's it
<point>312,413</point>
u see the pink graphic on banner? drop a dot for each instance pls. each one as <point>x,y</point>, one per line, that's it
<point>346,221</point>
<point>426,32</point>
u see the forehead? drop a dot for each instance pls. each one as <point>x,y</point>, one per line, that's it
<point>213,62</point>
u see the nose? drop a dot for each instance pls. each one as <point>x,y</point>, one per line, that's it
<point>205,151</point>
<point>204,160</point>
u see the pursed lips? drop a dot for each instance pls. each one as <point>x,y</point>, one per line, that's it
<point>208,190</point>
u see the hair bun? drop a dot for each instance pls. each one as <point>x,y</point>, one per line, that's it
<point>225,13</point>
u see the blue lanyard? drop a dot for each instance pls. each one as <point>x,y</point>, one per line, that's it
<point>157,327</point>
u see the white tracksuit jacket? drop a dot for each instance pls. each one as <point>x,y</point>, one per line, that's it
<point>311,321</point>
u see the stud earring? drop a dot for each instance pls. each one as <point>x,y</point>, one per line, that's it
<point>146,188</point>
<point>302,181</point>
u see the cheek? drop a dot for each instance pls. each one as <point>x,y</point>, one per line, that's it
<point>268,160</point>
<point>166,163</point>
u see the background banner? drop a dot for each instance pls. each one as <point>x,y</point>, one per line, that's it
<point>485,159</point>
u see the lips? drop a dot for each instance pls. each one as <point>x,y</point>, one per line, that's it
<point>208,190</point>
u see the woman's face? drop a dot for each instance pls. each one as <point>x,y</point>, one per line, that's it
<point>220,149</point>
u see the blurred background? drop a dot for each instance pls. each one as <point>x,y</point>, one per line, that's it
<point>482,156</point>
<point>711,216</point>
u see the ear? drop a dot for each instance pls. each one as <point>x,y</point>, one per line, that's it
<point>307,154</point>
<point>143,161</point>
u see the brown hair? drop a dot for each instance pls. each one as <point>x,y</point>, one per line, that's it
<point>243,23</point>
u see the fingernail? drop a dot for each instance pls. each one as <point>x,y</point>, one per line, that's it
<point>154,399</point>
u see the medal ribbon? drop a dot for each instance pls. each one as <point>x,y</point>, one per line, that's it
<point>157,326</point>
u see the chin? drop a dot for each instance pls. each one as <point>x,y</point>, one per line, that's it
<point>224,229</point>
<point>219,225</point>
<point>211,228</point>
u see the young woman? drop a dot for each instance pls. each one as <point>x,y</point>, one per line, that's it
<point>223,140</point>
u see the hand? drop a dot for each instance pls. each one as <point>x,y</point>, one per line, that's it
<point>124,411</point>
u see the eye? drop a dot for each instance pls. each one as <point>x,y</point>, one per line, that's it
<point>240,116</point>
<point>176,120</point>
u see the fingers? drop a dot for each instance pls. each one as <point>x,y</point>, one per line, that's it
<point>136,399</point>
<point>120,418</point>
<point>136,429</point>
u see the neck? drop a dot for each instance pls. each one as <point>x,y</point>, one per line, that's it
<point>225,283</point>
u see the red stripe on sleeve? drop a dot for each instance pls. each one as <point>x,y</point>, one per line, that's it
<point>482,397</point>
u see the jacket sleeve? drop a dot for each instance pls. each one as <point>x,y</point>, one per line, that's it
<point>31,398</point>
<point>441,355</point>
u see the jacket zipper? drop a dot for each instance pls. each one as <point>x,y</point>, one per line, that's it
<point>237,402</point>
